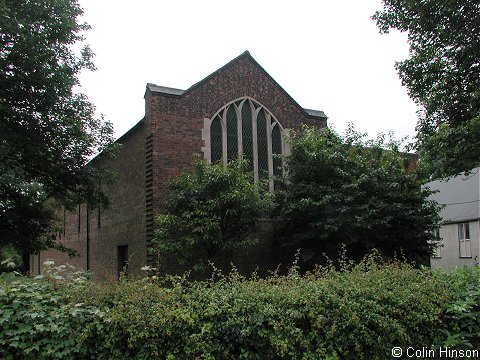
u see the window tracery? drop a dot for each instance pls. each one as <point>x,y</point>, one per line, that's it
<point>245,127</point>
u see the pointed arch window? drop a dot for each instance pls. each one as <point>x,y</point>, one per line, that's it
<point>245,127</point>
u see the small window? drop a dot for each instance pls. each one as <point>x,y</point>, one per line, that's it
<point>122,260</point>
<point>62,231</point>
<point>79,214</point>
<point>464,243</point>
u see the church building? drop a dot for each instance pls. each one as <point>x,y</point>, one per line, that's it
<point>238,109</point>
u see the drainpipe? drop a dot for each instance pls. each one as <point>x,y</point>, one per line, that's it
<point>478,243</point>
<point>88,238</point>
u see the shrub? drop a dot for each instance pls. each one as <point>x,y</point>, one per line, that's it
<point>212,209</point>
<point>462,316</point>
<point>36,321</point>
<point>10,258</point>
<point>360,312</point>
<point>346,191</point>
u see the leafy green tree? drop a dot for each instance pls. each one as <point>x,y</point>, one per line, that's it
<point>212,209</point>
<point>442,75</point>
<point>354,193</point>
<point>48,132</point>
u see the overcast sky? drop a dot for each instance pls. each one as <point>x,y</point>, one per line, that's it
<point>327,54</point>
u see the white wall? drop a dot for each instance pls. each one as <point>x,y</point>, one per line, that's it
<point>449,253</point>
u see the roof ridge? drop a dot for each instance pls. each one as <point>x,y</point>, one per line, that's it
<point>245,53</point>
<point>177,92</point>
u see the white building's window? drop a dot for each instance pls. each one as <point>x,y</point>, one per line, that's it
<point>464,243</point>
<point>245,127</point>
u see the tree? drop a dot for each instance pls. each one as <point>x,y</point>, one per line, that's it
<point>48,132</point>
<point>347,191</point>
<point>442,75</point>
<point>211,209</point>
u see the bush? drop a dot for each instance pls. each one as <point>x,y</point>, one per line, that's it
<point>359,312</point>
<point>10,258</point>
<point>212,209</point>
<point>344,191</point>
<point>37,321</point>
<point>462,316</point>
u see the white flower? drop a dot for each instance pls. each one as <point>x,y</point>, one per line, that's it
<point>147,268</point>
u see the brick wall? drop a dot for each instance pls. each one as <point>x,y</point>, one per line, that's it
<point>176,123</point>
<point>123,223</point>
<point>156,150</point>
<point>265,256</point>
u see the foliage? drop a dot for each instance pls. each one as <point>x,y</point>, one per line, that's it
<point>360,312</point>
<point>62,274</point>
<point>347,191</point>
<point>442,75</point>
<point>48,133</point>
<point>9,258</point>
<point>37,321</point>
<point>462,316</point>
<point>212,208</point>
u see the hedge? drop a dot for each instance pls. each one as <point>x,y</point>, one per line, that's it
<point>359,312</point>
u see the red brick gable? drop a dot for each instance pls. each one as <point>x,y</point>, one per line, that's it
<point>156,150</point>
<point>241,77</point>
<point>176,118</point>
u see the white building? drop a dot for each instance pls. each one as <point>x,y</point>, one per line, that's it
<point>460,234</point>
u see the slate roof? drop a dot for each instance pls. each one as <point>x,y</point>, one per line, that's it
<point>460,195</point>
<point>164,90</point>
<point>315,113</point>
